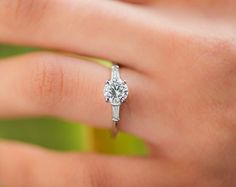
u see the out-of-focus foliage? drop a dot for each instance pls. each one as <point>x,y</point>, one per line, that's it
<point>62,135</point>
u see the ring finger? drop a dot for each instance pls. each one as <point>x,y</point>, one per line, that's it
<point>56,85</point>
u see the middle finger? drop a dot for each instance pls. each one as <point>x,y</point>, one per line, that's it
<point>105,29</point>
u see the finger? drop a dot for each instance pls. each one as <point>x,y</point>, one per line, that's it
<point>37,167</point>
<point>49,84</point>
<point>106,29</point>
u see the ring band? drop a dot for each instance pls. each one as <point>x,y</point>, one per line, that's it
<point>116,93</point>
<point>115,129</point>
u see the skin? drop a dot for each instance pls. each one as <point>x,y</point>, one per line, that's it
<point>179,60</point>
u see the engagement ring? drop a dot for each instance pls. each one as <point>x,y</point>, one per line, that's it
<point>115,92</point>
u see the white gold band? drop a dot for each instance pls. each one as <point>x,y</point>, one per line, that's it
<point>115,74</point>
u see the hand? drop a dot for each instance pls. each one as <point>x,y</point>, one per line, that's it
<point>179,61</point>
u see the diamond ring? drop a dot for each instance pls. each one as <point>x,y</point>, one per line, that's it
<point>115,92</point>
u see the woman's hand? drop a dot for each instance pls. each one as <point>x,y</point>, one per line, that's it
<point>179,61</point>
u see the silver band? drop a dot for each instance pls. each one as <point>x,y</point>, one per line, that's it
<point>115,75</point>
<point>115,129</point>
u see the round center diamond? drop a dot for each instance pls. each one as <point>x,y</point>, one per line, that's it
<point>115,92</point>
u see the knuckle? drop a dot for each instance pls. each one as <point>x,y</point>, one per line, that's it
<point>24,12</point>
<point>47,82</point>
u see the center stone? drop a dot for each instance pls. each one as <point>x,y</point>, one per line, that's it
<point>115,92</point>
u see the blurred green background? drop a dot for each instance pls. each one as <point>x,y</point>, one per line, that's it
<point>63,135</point>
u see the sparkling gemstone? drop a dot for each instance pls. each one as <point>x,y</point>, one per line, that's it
<point>116,92</point>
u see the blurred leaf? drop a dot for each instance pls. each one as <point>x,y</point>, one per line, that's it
<point>123,144</point>
<point>6,51</point>
<point>47,132</point>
